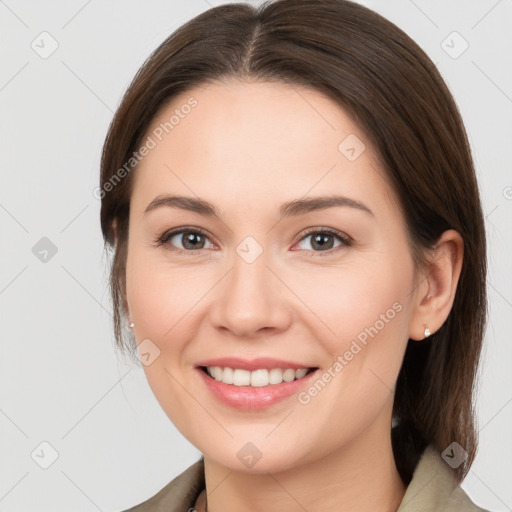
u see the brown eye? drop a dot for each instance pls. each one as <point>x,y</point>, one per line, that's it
<point>323,241</point>
<point>185,240</point>
<point>190,240</point>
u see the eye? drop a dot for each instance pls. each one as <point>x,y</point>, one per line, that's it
<point>323,240</point>
<point>191,240</point>
<point>185,240</point>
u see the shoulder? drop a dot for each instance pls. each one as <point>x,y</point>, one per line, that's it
<point>178,495</point>
<point>433,487</point>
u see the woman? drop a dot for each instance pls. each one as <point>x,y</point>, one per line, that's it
<point>299,253</point>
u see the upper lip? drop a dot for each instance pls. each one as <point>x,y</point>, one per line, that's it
<point>253,364</point>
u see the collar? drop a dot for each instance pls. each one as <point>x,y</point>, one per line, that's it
<point>433,488</point>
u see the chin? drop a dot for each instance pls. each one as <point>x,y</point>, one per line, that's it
<point>251,458</point>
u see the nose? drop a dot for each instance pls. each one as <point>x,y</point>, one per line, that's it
<point>251,300</point>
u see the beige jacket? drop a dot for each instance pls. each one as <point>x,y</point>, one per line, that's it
<point>432,489</point>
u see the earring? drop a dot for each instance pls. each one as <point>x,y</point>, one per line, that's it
<point>131,325</point>
<point>427,332</point>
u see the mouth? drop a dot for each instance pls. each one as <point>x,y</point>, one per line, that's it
<point>257,388</point>
<point>261,377</point>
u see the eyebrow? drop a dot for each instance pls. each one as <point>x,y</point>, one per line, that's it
<point>289,209</point>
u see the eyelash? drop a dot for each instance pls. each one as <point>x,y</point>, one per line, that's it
<point>344,239</point>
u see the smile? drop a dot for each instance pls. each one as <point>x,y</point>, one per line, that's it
<point>256,389</point>
<point>257,378</point>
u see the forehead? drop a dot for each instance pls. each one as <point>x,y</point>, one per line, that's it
<point>265,139</point>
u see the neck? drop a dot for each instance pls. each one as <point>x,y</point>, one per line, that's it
<point>360,476</point>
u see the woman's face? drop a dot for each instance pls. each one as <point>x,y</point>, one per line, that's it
<point>275,272</point>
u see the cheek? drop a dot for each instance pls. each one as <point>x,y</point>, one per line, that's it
<point>362,320</point>
<point>351,300</point>
<point>164,301</point>
<point>368,312</point>
<point>160,300</point>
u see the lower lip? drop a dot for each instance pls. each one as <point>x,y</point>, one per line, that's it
<point>254,398</point>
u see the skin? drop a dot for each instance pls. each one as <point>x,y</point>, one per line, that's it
<point>246,148</point>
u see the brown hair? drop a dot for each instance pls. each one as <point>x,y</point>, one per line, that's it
<point>396,95</point>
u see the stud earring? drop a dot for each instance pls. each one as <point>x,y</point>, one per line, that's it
<point>427,332</point>
<point>131,325</point>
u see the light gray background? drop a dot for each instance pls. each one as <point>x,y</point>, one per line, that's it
<point>62,381</point>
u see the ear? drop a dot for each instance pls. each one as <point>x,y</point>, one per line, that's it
<point>435,291</point>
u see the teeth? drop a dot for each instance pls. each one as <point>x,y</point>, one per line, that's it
<point>301,373</point>
<point>256,378</point>
<point>240,377</point>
